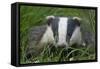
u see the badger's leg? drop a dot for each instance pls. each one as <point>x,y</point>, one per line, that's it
<point>76,37</point>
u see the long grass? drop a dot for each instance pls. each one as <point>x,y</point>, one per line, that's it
<point>31,16</point>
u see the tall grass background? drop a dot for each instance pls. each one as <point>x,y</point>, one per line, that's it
<point>31,16</point>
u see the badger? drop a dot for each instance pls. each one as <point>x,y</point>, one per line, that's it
<point>63,31</point>
<point>59,31</point>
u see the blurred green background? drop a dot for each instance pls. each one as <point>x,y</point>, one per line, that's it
<point>31,16</point>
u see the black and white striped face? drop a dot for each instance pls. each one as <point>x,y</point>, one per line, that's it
<point>65,30</point>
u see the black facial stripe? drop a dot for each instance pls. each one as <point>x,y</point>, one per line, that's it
<point>54,26</point>
<point>49,21</point>
<point>72,24</point>
<point>77,22</point>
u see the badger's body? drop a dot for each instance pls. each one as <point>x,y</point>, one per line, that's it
<point>59,31</point>
<point>62,31</point>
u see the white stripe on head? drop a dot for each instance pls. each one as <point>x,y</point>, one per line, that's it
<point>62,30</point>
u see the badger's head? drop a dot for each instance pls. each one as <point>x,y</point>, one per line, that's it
<point>62,31</point>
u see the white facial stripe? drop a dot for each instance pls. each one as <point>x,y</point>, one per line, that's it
<point>62,30</point>
<point>76,37</point>
<point>48,36</point>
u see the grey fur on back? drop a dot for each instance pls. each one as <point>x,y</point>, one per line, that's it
<point>35,34</point>
<point>88,37</point>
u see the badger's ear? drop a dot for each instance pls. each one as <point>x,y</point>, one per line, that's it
<point>49,19</point>
<point>77,18</point>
